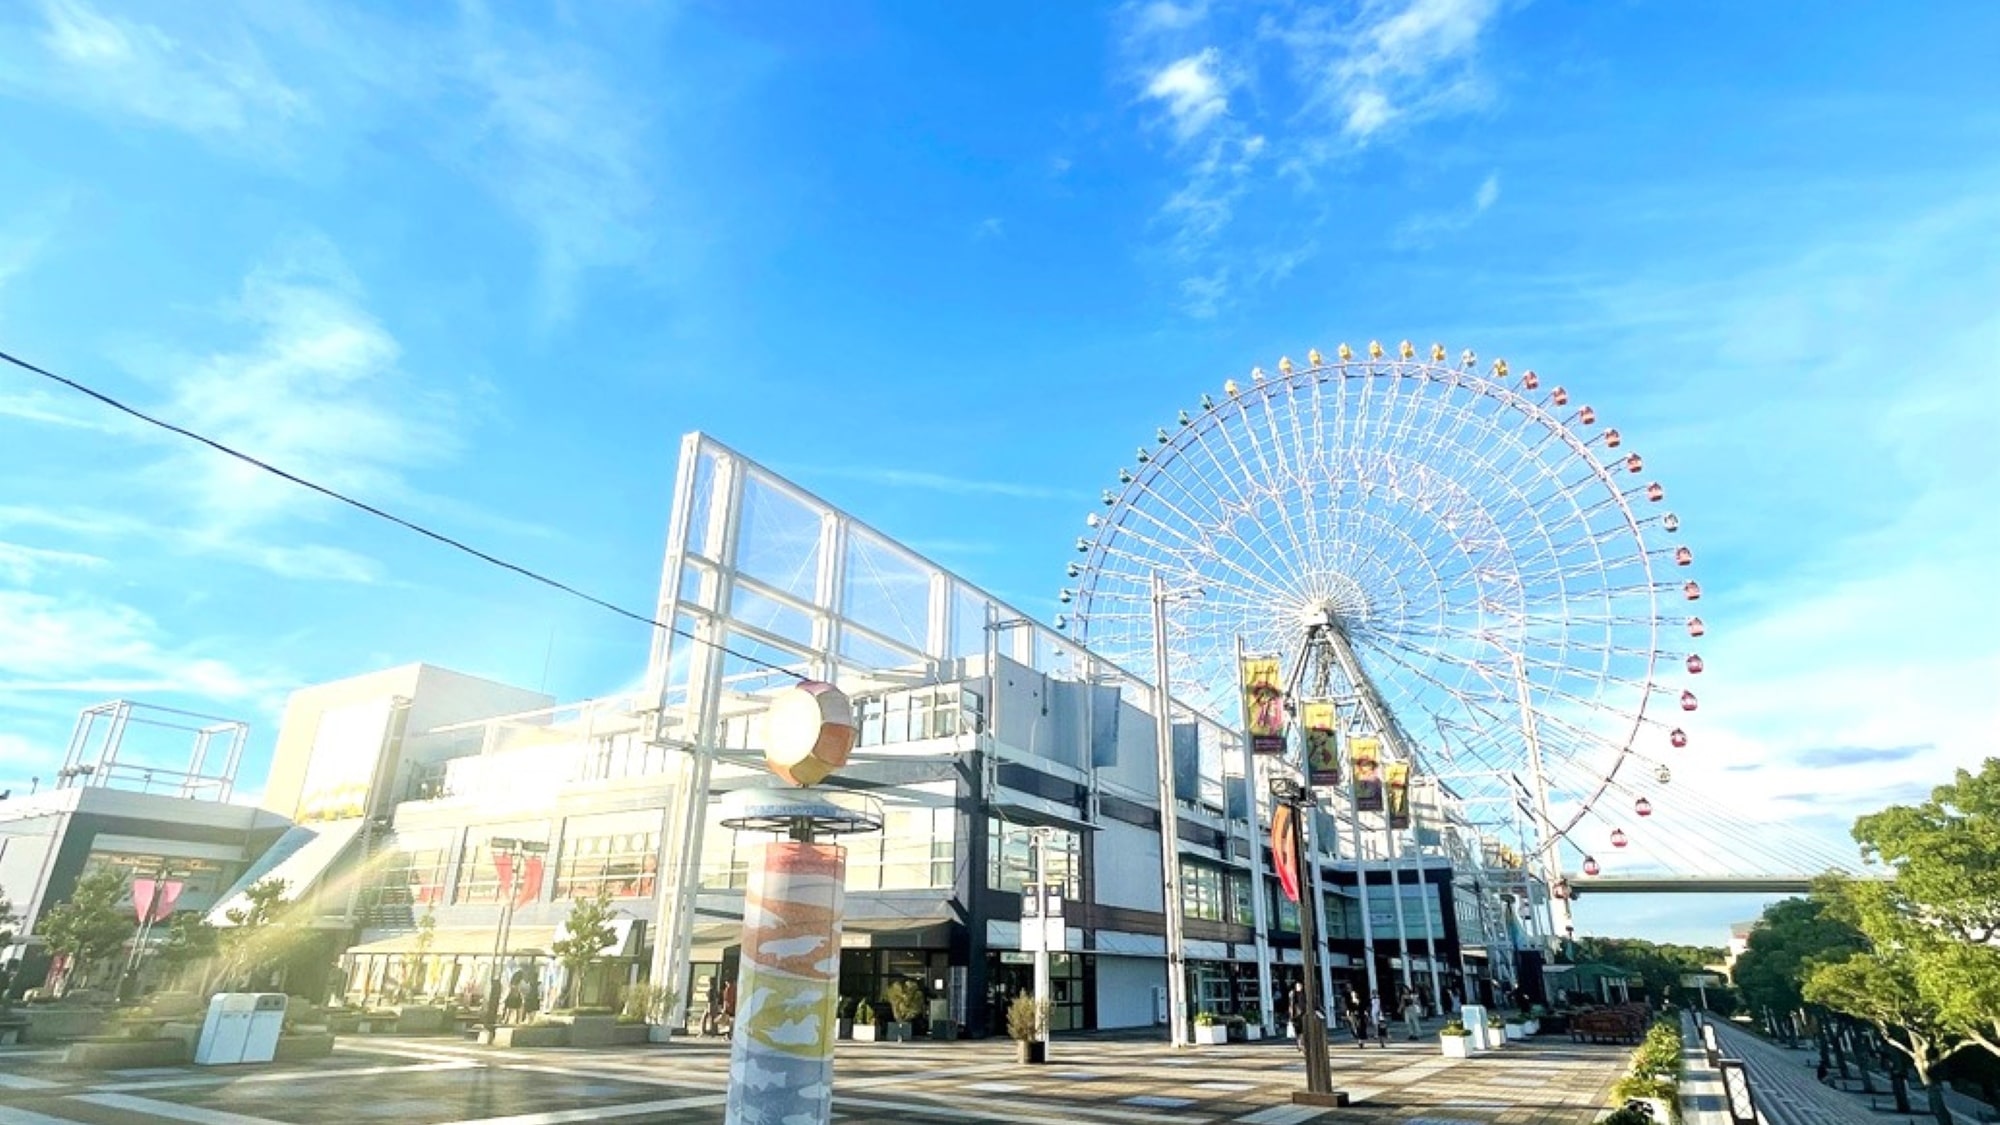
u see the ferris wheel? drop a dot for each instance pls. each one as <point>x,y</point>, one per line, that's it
<point>1497,571</point>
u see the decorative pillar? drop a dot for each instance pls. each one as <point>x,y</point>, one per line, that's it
<point>781,1052</point>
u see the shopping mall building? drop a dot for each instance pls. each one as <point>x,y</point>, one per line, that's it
<point>982,734</point>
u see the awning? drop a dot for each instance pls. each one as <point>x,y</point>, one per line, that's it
<point>301,857</point>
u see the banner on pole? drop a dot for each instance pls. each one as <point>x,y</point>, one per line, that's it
<point>1366,755</point>
<point>1399,795</point>
<point>1285,851</point>
<point>1321,723</point>
<point>1263,704</point>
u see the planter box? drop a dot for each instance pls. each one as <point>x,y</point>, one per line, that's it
<point>1455,1046</point>
<point>659,1033</point>
<point>59,1023</point>
<point>588,1031</point>
<point>1517,1031</point>
<point>1212,1035</point>
<point>944,1029</point>
<point>867,1033</point>
<point>1031,1052</point>
<point>123,1054</point>
<point>543,1035</point>
<point>420,1019</point>
<point>1534,1027</point>
<point>1253,1032</point>
<point>1496,1038</point>
<point>898,1031</point>
<point>304,1045</point>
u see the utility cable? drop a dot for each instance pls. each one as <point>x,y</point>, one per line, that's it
<point>408,525</point>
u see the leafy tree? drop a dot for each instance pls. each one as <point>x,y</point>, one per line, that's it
<point>1945,853</point>
<point>258,930</point>
<point>8,920</point>
<point>1661,965</point>
<point>91,925</point>
<point>587,932</point>
<point>1885,990</point>
<point>190,939</point>
<point>1792,934</point>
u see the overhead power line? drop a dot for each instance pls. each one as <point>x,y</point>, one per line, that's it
<point>408,525</point>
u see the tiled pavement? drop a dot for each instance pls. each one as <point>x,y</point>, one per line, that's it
<point>1788,1092</point>
<point>1096,1081</point>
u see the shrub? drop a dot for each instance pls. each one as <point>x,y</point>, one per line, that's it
<point>1455,1029</point>
<point>1630,1115</point>
<point>1204,1019</point>
<point>906,1000</point>
<point>1025,1018</point>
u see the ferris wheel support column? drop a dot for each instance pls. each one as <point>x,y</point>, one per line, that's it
<point>1170,831</point>
<point>1547,845</point>
<point>1391,853</point>
<point>1360,886</point>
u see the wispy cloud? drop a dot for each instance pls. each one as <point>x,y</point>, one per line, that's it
<point>82,56</point>
<point>318,391</point>
<point>1427,227</point>
<point>1328,82</point>
<point>20,563</point>
<point>73,643</point>
<point>990,227</point>
<point>1860,755</point>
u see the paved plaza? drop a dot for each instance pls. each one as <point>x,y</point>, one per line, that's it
<point>1107,1080</point>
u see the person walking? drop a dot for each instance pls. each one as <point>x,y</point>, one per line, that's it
<point>1357,1019</point>
<point>1375,1017</point>
<point>1413,1014</point>
<point>1299,1005</point>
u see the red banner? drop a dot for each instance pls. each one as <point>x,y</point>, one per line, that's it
<point>1285,851</point>
<point>153,899</point>
<point>503,863</point>
<point>531,882</point>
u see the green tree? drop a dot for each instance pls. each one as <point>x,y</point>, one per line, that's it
<point>8,921</point>
<point>1661,965</point>
<point>257,933</point>
<point>587,933</point>
<point>1787,939</point>
<point>419,981</point>
<point>190,940</point>
<point>91,925</point>
<point>1945,853</point>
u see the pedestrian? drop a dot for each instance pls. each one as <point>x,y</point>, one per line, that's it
<point>1357,1019</point>
<point>1299,1007</point>
<point>1413,1015</point>
<point>517,1001</point>
<point>1375,1018</point>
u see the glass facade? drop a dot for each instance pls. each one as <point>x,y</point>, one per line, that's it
<point>614,852</point>
<point>1010,856</point>
<point>478,876</point>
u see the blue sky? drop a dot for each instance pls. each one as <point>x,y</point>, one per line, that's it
<point>947,264</point>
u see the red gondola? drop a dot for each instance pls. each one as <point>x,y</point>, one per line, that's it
<point>1692,590</point>
<point>1590,865</point>
<point>1617,837</point>
<point>1683,556</point>
<point>1694,664</point>
<point>1656,494</point>
<point>1695,627</point>
<point>1688,701</point>
<point>1587,416</point>
<point>1643,807</point>
<point>1612,438</point>
<point>1634,463</point>
<point>1678,737</point>
<point>1559,396</point>
<point>1531,380</point>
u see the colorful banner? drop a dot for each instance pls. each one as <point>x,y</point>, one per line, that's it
<point>1399,795</point>
<point>153,900</point>
<point>1321,722</point>
<point>1366,755</point>
<point>781,1053</point>
<point>531,882</point>
<point>1285,850</point>
<point>1263,704</point>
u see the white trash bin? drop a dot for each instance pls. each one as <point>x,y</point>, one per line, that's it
<point>240,1027</point>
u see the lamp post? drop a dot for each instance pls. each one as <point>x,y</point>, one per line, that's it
<point>1319,1070</point>
<point>1040,836</point>
<point>516,851</point>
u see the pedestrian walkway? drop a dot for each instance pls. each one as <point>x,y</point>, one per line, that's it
<point>1787,1090</point>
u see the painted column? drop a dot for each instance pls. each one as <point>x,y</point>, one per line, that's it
<point>781,1053</point>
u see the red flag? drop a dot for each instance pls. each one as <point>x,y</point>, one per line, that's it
<point>503,862</point>
<point>531,882</point>
<point>1285,851</point>
<point>170,893</point>
<point>142,899</point>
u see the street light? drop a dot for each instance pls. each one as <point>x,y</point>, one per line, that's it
<point>1170,832</point>
<point>515,851</point>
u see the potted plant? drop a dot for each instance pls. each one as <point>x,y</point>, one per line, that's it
<point>1253,1022</point>
<point>843,1017</point>
<point>869,1017</point>
<point>1516,1028</point>
<point>1027,1023</point>
<point>1209,1030</point>
<point>1496,1031</point>
<point>906,1002</point>
<point>1455,1039</point>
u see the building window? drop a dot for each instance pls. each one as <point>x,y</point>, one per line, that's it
<point>618,853</point>
<point>479,877</point>
<point>1010,856</point>
<point>913,851</point>
<point>1201,892</point>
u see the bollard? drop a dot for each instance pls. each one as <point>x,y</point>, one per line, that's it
<point>1708,1046</point>
<point>1742,1104</point>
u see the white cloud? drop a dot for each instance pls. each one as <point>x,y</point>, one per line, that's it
<point>1488,193</point>
<point>1426,227</point>
<point>125,66</point>
<point>317,392</point>
<point>1396,62</point>
<point>20,563</point>
<point>1194,92</point>
<point>1165,16</point>
<point>82,643</point>
<point>935,482</point>
<point>988,228</point>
